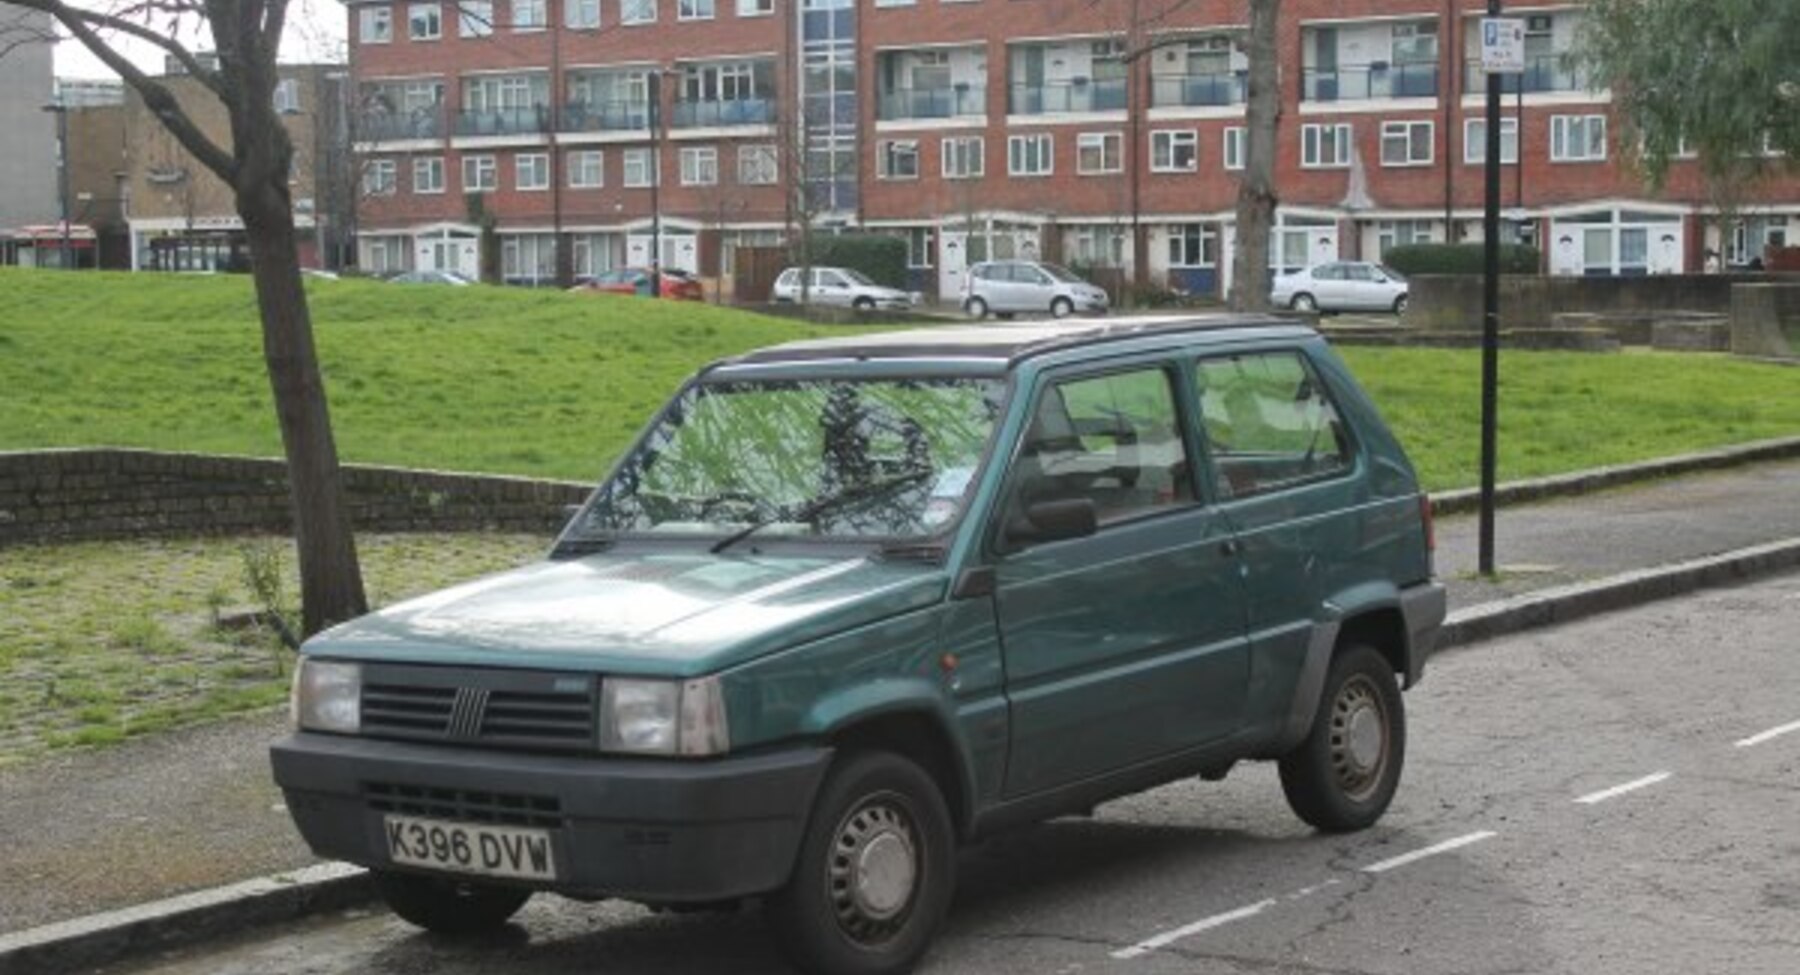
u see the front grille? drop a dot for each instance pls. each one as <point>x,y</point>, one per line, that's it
<point>535,710</point>
<point>461,805</point>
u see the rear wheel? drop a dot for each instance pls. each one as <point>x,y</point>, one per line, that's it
<point>863,304</point>
<point>449,906</point>
<point>1342,777</point>
<point>1304,302</point>
<point>1062,308</point>
<point>976,307</point>
<point>874,874</point>
<point>1400,305</point>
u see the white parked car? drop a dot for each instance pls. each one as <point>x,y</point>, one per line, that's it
<point>1007,287</point>
<point>841,286</point>
<point>1341,286</point>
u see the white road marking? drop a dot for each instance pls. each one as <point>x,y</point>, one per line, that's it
<point>1416,855</point>
<point>1204,924</point>
<point>1619,790</point>
<point>1315,888</point>
<point>1763,736</point>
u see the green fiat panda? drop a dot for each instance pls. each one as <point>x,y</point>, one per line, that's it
<point>849,604</point>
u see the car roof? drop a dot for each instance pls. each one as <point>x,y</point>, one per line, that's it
<point>1011,343</point>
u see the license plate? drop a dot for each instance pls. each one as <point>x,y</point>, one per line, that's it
<point>494,851</point>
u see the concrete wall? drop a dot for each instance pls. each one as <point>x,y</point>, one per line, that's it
<point>65,495</point>
<point>1443,301</point>
<point>1765,320</point>
<point>28,151</point>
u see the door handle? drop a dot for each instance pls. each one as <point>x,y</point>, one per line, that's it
<point>1230,547</point>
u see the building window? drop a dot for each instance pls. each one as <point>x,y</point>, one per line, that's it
<point>375,25</point>
<point>380,178</point>
<point>1030,155</point>
<point>583,14</point>
<point>531,171</point>
<point>695,9</point>
<point>897,159</point>
<point>919,242</point>
<point>1174,152</point>
<point>425,21</point>
<point>1401,233</point>
<point>480,174</point>
<point>1193,245</point>
<point>1097,246</point>
<point>637,11</point>
<point>1475,141</point>
<point>699,166</point>
<point>755,8</point>
<point>962,157</point>
<point>1097,153</point>
<point>428,175</point>
<point>530,14</point>
<point>587,169</point>
<point>287,96</point>
<point>1577,138</point>
<point>1234,147</point>
<point>757,165</point>
<point>1325,146</point>
<point>1407,143</point>
<point>475,18</point>
<point>528,258</point>
<point>638,168</point>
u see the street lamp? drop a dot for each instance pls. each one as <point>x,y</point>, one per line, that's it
<point>61,109</point>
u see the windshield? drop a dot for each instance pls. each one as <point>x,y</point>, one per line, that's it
<point>859,277</point>
<point>1392,275</point>
<point>811,459</point>
<point>1061,274</point>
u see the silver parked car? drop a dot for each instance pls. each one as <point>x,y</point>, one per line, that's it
<point>1341,286</point>
<point>1007,287</point>
<point>842,286</point>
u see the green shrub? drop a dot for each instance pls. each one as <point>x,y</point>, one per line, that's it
<point>1461,259</point>
<point>880,256</point>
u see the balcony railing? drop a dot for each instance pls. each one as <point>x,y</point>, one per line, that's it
<point>1546,72</point>
<point>740,111</point>
<point>1222,88</point>
<point>1074,96</point>
<point>949,102</point>
<point>1370,81</point>
<point>381,127</point>
<point>609,116</point>
<point>504,121</point>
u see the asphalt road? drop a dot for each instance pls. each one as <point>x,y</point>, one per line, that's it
<point>1614,796</point>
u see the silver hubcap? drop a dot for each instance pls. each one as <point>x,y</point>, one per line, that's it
<point>873,870</point>
<point>1359,739</point>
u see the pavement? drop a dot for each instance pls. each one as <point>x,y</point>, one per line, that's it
<point>88,832</point>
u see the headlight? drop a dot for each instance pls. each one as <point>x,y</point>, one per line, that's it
<point>327,696</point>
<point>663,717</point>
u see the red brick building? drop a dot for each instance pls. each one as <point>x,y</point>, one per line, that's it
<point>1052,128</point>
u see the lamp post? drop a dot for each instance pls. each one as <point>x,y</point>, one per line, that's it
<point>61,110</point>
<point>656,146</point>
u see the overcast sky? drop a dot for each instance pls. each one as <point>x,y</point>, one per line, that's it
<point>315,32</point>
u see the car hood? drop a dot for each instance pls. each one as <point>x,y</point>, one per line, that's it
<point>673,614</point>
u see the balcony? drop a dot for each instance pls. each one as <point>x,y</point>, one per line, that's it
<point>723,112</point>
<point>605,116</point>
<point>1370,82</point>
<point>383,127</point>
<point>928,103</point>
<point>1198,90</point>
<point>1107,95</point>
<point>1544,73</point>
<point>533,120</point>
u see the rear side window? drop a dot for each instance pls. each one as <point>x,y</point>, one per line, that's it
<point>1270,423</point>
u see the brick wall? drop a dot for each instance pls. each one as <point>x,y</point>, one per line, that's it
<point>64,495</point>
<point>1453,301</point>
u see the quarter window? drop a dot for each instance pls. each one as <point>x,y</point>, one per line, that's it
<point>1269,422</point>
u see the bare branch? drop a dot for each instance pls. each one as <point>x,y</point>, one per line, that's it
<point>124,25</point>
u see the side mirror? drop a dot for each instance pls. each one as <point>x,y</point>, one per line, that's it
<point>1054,521</point>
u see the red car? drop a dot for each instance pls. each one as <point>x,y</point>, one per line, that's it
<point>676,285</point>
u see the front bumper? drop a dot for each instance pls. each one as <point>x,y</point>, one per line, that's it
<point>658,831</point>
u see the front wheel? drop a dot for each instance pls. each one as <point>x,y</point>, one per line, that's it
<point>449,906</point>
<point>976,308</point>
<point>874,874</point>
<point>1342,777</point>
<point>1062,308</point>
<point>1400,305</point>
<point>863,304</point>
<point>1304,302</point>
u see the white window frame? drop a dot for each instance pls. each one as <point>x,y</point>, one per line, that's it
<point>1235,146</point>
<point>696,9</point>
<point>1312,145</point>
<point>1475,141</point>
<point>643,162</point>
<point>1406,130</point>
<point>475,18</point>
<point>632,12</point>
<point>581,14</point>
<point>480,174</point>
<point>1101,141</point>
<point>530,15</point>
<point>1040,146</point>
<point>1170,139</point>
<point>434,12</point>
<point>428,175</point>
<point>375,25</point>
<point>889,151</point>
<point>1178,238</point>
<point>956,149</point>
<point>755,8</point>
<point>758,165</point>
<point>578,160</point>
<point>538,164</point>
<point>1560,141</point>
<point>381,178</point>
<point>699,166</point>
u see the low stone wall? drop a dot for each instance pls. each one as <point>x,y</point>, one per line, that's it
<point>1453,301</point>
<point>1765,321</point>
<point>67,495</point>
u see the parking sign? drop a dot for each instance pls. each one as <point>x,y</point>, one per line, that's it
<point>1502,45</point>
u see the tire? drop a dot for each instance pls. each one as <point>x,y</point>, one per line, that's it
<point>977,308</point>
<point>863,304</point>
<point>1304,302</point>
<point>1400,305</point>
<point>1062,308</point>
<point>1342,777</point>
<point>851,907</point>
<point>449,906</point>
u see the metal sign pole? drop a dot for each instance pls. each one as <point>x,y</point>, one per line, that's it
<point>1490,318</point>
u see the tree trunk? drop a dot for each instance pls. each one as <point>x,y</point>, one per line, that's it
<point>1256,190</point>
<point>331,587</point>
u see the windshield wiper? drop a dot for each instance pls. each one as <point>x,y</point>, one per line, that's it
<point>865,491</point>
<point>575,547</point>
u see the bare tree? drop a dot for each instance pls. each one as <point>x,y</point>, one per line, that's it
<point>1256,189</point>
<point>254,162</point>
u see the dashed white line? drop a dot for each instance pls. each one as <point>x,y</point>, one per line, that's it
<point>1775,732</point>
<point>1619,790</point>
<point>1417,855</point>
<point>1204,924</point>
